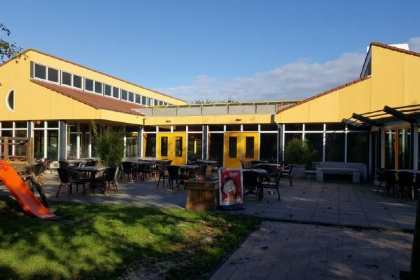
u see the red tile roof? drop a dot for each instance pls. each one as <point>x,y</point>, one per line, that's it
<point>92,99</point>
<point>394,48</point>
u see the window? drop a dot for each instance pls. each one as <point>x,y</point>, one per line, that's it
<point>11,100</point>
<point>138,99</point>
<point>107,90</point>
<point>150,101</point>
<point>77,81</point>
<point>164,146</point>
<point>98,87</point>
<point>249,147</point>
<point>66,78</point>
<point>53,75</point>
<point>150,145</point>
<point>88,84</point>
<point>40,71</point>
<point>156,102</point>
<point>131,96</point>
<point>233,144</point>
<point>144,100</point>
<point>178,146</point>
<point>115,92</point>
<point>124,95</point>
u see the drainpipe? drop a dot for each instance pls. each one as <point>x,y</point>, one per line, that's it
<point>62,132</point>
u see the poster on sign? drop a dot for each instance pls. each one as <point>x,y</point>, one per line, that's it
<point>231,194</point>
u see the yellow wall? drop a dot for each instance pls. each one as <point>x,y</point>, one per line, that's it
<point>213,119</point>
<point>330,107</point>
<point>394,82</point>
<point>34,102</point>
<point>100,77</point>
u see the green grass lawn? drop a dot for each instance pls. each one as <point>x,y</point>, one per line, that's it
<point>98,241</point>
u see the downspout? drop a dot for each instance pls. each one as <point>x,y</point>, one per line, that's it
<point>62,132</point>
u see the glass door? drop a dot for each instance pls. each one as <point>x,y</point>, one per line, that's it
<point>240,147</point>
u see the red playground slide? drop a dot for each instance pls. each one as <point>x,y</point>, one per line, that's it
<point>22,193</point>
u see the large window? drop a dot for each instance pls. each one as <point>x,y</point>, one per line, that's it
<point>195,148</point>
<point>357,147</point>
<point>150,145</point>
<point>216,146</point>
<point>268,147</point>
<point>315,142</point>
<point>334,150</point>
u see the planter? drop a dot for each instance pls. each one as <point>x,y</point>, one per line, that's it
<point>202,195</point>
<point>298,171</point>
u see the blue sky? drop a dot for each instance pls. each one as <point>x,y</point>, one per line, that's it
<point>243,50</point>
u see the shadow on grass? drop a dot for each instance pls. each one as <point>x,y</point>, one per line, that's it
<point>105,241</point>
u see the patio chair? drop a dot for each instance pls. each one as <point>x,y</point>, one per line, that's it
<point>390,177</point>
<point>287,173</point>
<point>162,174</point>
<point>108,179</point>
<point>380,179</point>
<point>173,173</point>
<point>252,185</point>
<point>127,170</point>
<point>405,184</point>
<point>47,165</point>
<point>272,183</point>
<point>68,181</point>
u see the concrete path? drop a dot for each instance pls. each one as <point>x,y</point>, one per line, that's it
<point>326,230</point>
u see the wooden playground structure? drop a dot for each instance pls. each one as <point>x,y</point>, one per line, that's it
<point>19,153</point>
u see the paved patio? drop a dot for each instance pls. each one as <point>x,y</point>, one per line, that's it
<point>332,230</point>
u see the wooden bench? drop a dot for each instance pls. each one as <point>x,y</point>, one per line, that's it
<point>356,170</point>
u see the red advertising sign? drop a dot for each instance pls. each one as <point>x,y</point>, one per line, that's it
<point>231,192</point>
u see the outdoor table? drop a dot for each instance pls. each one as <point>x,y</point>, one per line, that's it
<point>93,170</point>
<point>259,190</point>
<point>187,169</point>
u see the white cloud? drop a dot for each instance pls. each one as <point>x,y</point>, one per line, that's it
<point>297,80</point>
<point>414,44</point>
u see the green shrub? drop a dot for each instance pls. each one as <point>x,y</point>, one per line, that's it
<point>109,145</point>
<point>297,151</point>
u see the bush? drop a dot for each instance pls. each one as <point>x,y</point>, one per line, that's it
<point>297,151</point>
<point>109,145</point>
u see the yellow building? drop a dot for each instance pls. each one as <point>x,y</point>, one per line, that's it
<point>373,120</point>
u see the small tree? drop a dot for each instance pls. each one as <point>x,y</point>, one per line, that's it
<point>109,145</point>
<point>297,151</point>
<point>7,49</point>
